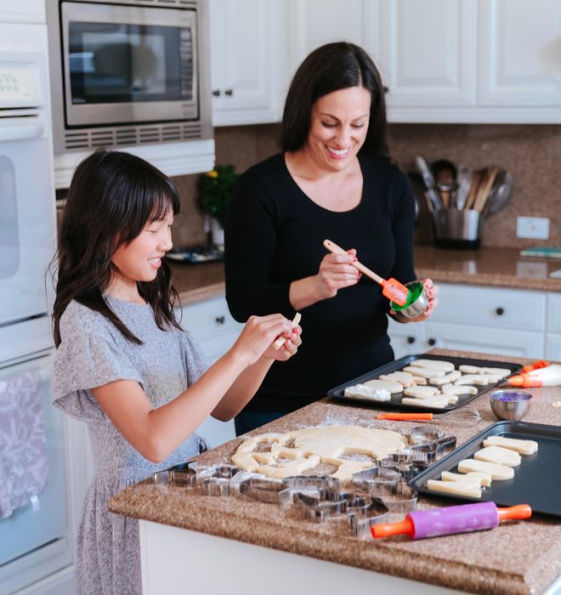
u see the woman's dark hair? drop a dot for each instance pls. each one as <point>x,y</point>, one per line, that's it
<point>111,198</point>
<point>329,68</point>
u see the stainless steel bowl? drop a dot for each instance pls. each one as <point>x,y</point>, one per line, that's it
<point>510,404</point>
<point>418,305</point>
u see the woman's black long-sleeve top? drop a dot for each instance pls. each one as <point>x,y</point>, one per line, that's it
<point>274,236</point>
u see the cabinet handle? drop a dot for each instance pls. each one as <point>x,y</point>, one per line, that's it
<point>500,311</point>
<point>431,342</point>
<point>229,92</point>
<point>410,340</point>
<point>220,319</point>
<point>216,92</point>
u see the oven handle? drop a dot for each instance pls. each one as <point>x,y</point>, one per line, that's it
<point>12,129</point>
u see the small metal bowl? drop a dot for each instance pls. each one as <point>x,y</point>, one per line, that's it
<point>510,404</point>
<point>416,303</point>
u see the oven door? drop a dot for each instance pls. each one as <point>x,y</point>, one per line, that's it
<point>124,64</point>
<point>27,236</point>
<point>34,539</point>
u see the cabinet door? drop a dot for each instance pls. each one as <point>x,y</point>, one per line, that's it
<point>519,61</point>
<point>428,54</point>
<point>312,23</point>
<point>553,347</point>
<point>484,340</point>
<point>246,59</point>
<point>406,339</point>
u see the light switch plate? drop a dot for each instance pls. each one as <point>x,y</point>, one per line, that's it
<point>536,228</point>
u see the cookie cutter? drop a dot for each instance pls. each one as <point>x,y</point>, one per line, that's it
<point>264,490</point>
<point>217,480</point>
<point>183,475</point>
<point>360,519</point>
<point>326,505</point>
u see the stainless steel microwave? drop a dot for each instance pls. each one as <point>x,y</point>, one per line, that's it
<point>128,72</point>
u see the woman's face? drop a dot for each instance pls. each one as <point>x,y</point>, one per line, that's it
<point>140,259</point>
<point>338,127</point>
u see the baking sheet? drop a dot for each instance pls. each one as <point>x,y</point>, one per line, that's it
<point>398,364</point>
<point>535,482</point>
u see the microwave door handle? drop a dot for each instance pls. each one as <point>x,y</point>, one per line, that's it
<point>19,129</point>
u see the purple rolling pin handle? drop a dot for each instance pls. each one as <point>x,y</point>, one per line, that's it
<point>454,519</point>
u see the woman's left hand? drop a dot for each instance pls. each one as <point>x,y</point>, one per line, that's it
<point>431,291</point>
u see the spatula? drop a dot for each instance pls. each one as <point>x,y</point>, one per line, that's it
<point>391,288</point>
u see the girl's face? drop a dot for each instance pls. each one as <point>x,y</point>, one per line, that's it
<point>140,259</point>
<point>338,127</point>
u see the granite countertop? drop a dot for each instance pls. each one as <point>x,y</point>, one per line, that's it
<point>494,267</point>
<point>519,557</point>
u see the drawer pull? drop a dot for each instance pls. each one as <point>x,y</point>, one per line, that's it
<point>500,311</point>
<point>220,319</point>
<point>431,342</point>
<point>410,340</point>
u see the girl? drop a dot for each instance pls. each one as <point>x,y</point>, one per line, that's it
<point>123,364</point>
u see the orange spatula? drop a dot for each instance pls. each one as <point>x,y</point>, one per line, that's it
<point>391,288</point>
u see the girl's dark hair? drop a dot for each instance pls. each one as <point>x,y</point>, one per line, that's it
<point>111,198</point>
<point>329,68</point>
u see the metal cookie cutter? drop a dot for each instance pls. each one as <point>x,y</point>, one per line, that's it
<point>328,504</point>
<point>217,479</point>
<point>183,475</point>
<point>311,485</point>
<point>263,490</point>
<point>362,518</point>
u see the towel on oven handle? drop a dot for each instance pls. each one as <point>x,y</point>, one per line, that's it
<point>23,456</point>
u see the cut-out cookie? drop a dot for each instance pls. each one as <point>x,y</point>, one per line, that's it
<point>469,489</point>
<point>498,472</point>
<point>499,455</point>
<point>448,379</point>
<point>433,364</point>
<point>421,392</point>
<point>467,369</point>
<point>524,447</point>
<point>404,378</point>
<point>424,372</point>
<point>367,392</point>
<point>481,479</point>
<point>393,387</point>
<point>429,403</point>
<point>458,389</point>
<point>479,379</point>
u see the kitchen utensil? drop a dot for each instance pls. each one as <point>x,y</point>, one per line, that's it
<point>447,191</point>
<point>484,188</point>
<point>454,228</point>
<point>510,404</point>
<point>443,171</point>
<point>391,288</point>
<point>463,180</point>
<point>428,179</point>
<point>503,193</point>
<point>395,401</point>
<point>549,375</point>
<point>416,303</point>
<point>464,416</point>
<point>282,340</point>
<point>476,178</point>
<point>464,518</point>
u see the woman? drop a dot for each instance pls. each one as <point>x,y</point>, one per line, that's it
<point>333,180</point>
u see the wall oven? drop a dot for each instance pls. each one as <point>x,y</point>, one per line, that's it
<point>127,72</point>
<point>35,535</point>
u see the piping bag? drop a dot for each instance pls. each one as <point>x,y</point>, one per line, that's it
<point>464,518</point>
<point>391,288</point>
<point>549,375</point>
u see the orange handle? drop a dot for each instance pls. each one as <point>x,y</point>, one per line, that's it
<point>536,365</point>
<point>405,416</point>
<point>524,381</point>
<point>521,511</point>
<point>406,527</point>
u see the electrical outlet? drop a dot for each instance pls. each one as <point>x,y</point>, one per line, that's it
<point>536,228</point>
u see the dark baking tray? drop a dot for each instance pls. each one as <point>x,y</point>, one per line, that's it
<point>535,482</point>
<point>398,364</point>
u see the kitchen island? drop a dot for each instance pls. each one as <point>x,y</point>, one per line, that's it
<point>197,543</point>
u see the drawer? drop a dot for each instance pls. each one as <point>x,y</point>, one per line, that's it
<point>554,312</point>
<point>209,319</point>
<point>490,306</point>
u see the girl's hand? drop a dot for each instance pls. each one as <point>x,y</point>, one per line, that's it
<point>431,291</point>
<point>257,337</point>
<point>289,348</point>
<point>336,272</point>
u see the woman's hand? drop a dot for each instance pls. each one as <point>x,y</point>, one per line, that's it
<point>259,333</point>
<point>336,272</point>
<point>431,291</point>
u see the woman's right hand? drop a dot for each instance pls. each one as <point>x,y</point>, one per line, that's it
<point>258,334</point>
<point>336,272</point>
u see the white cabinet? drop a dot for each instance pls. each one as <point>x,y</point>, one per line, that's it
<point>23,11</point>
<point>520,54</point>
<point>215,331</point>
<point>428,53</point>
<point>246,58</point>
<point>553,336</point>
<point>480,319</point>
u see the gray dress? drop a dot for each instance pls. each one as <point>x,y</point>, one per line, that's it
<point>92,353</point>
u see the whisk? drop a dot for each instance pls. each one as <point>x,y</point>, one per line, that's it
<point>463,416</point>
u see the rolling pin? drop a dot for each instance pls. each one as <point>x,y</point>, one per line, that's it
<point>464,518</point>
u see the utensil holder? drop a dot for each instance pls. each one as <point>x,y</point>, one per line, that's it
<point>455,228</point>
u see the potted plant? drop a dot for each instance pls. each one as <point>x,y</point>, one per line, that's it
<point>214,193</point>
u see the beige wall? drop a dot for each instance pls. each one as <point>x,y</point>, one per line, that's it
<point>531,152</point>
